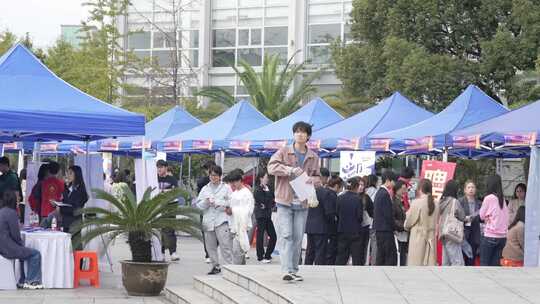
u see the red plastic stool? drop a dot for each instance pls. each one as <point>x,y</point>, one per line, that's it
<point>92,274</point>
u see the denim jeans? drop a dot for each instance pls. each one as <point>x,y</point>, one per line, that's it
<point>292,224</point>
<point>491,251</point>
<point>33,271</point>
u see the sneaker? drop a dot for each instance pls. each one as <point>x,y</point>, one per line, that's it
<point>288,278</point>
<point>32,286</point>
<point>215,270</point>
<point>208,261</point>
<point>266,261</point>
<point>175,257</point>
<point>297,278</point>
<point>247,256</point>
<point>20,285</point>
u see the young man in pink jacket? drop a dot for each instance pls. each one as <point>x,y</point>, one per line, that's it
<point>286,164</point>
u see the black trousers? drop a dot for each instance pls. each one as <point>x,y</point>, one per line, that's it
<point>331,249</point>
<point>403,252</point>
<point>349,245</point>
<point>316,249</point>
<point>168,240</point>
<point>386,249</point>
<point>265,225</point>
<point>364,241</point>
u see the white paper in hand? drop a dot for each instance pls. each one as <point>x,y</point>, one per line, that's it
<point>301,187</point>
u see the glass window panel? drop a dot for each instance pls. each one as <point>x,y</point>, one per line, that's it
<point>319,54</point>
<point>241,90</point>
<point>192,58</point>
<point>222,58</point>
<point>223,4</point>
<point>276,15</point>
<point>139,40</point>
<point>190,19</point>
<point>256,36</point>
<point>243,37</point>
<point>324,33</point>
<point>165,40</point>
<point>251,56</point>
<point>190,39</point>
<point>281,52</point>
<point>223,18</point>
<point>347,33</point>
<point>325,13</point>
<point>142,54</point>
<point>250,16</point>
<point>224,38</point>
<point>164,58</point>
<point>275,35</point>
<point>276,2</point>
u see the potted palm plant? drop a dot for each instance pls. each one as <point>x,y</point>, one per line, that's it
<point>139,221</point>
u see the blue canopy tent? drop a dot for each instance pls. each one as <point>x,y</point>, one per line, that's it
<point>212,136</point>
<point>433,134</point>
<point>317,113</point>
<point>393,112</point>
<point>35,104</point>
<point>508,135</point>
<point>172,122</point>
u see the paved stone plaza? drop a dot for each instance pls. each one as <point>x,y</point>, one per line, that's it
<point>255,284</point>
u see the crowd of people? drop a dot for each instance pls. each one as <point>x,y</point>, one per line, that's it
<point>358,221</point>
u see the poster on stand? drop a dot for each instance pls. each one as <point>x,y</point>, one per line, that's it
<point>438,173</point>
<point>356,163</point>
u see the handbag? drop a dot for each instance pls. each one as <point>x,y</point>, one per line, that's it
<point>452,228</point>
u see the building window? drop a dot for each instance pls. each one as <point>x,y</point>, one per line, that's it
<point>247,30</point>
<point>139,40</point>
<point>328,20</point>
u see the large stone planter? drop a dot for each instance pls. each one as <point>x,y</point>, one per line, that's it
<point>144,279</point>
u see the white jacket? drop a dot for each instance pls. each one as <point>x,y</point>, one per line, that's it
<point>242,204</point>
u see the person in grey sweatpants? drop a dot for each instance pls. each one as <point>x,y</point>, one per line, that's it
<point>214,201</point>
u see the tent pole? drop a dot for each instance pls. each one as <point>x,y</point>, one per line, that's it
<point>143,150</point>
<point>222,159</point>
<point>181,168</point>
<point>445,155</point>
<point>189,168</point>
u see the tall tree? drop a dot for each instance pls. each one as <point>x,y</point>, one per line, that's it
<point>430,50</point>
<point>272,91</point>
<point>172,70</point>
<point>7,40</point>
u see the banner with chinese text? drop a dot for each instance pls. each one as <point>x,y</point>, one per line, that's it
<point>438,173</point>
<point>356,163</point>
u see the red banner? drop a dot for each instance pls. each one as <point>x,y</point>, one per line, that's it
<point>202,145</point>
<point>274,144</point>
<point>379,144</point>
<point>314,144</point>
<point>137,145</point>
<point>172,146</point>
<point>48,147</point>
<point>438,173</point>
<point>348,144</point>
<point>419,145</point>
<point>242,145</point>
<point>111,145</point>
<point>520,140</point>
<point>472,141</point>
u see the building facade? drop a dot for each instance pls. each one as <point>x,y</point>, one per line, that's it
<point>210,35</point>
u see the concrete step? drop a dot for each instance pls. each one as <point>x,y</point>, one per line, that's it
<point>231,274</point>
<point>186,295</point>
<point>225,292</point>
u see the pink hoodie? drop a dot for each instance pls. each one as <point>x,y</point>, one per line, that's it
<point>496,219</point>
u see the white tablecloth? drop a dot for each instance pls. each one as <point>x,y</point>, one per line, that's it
<point>56,257</point>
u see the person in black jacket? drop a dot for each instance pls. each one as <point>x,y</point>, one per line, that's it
<point>402,236</point>
<point>471,236</point>
<point>333,186</point>
<point>383,221</point>
<point>350,212</point>
<point>264,203</point>
<point>367,219</point>
<point>317,226</point>
<point>75,196</point>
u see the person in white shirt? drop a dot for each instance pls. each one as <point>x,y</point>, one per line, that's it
<point>242,204</point>
<point>214,201</point>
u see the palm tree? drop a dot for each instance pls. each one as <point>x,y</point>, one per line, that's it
<point>139,221</point>
<point>270,90</point>
<point>346,104</point>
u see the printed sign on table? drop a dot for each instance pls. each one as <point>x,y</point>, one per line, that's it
<point>356,163</point>
<point>439,173</point>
